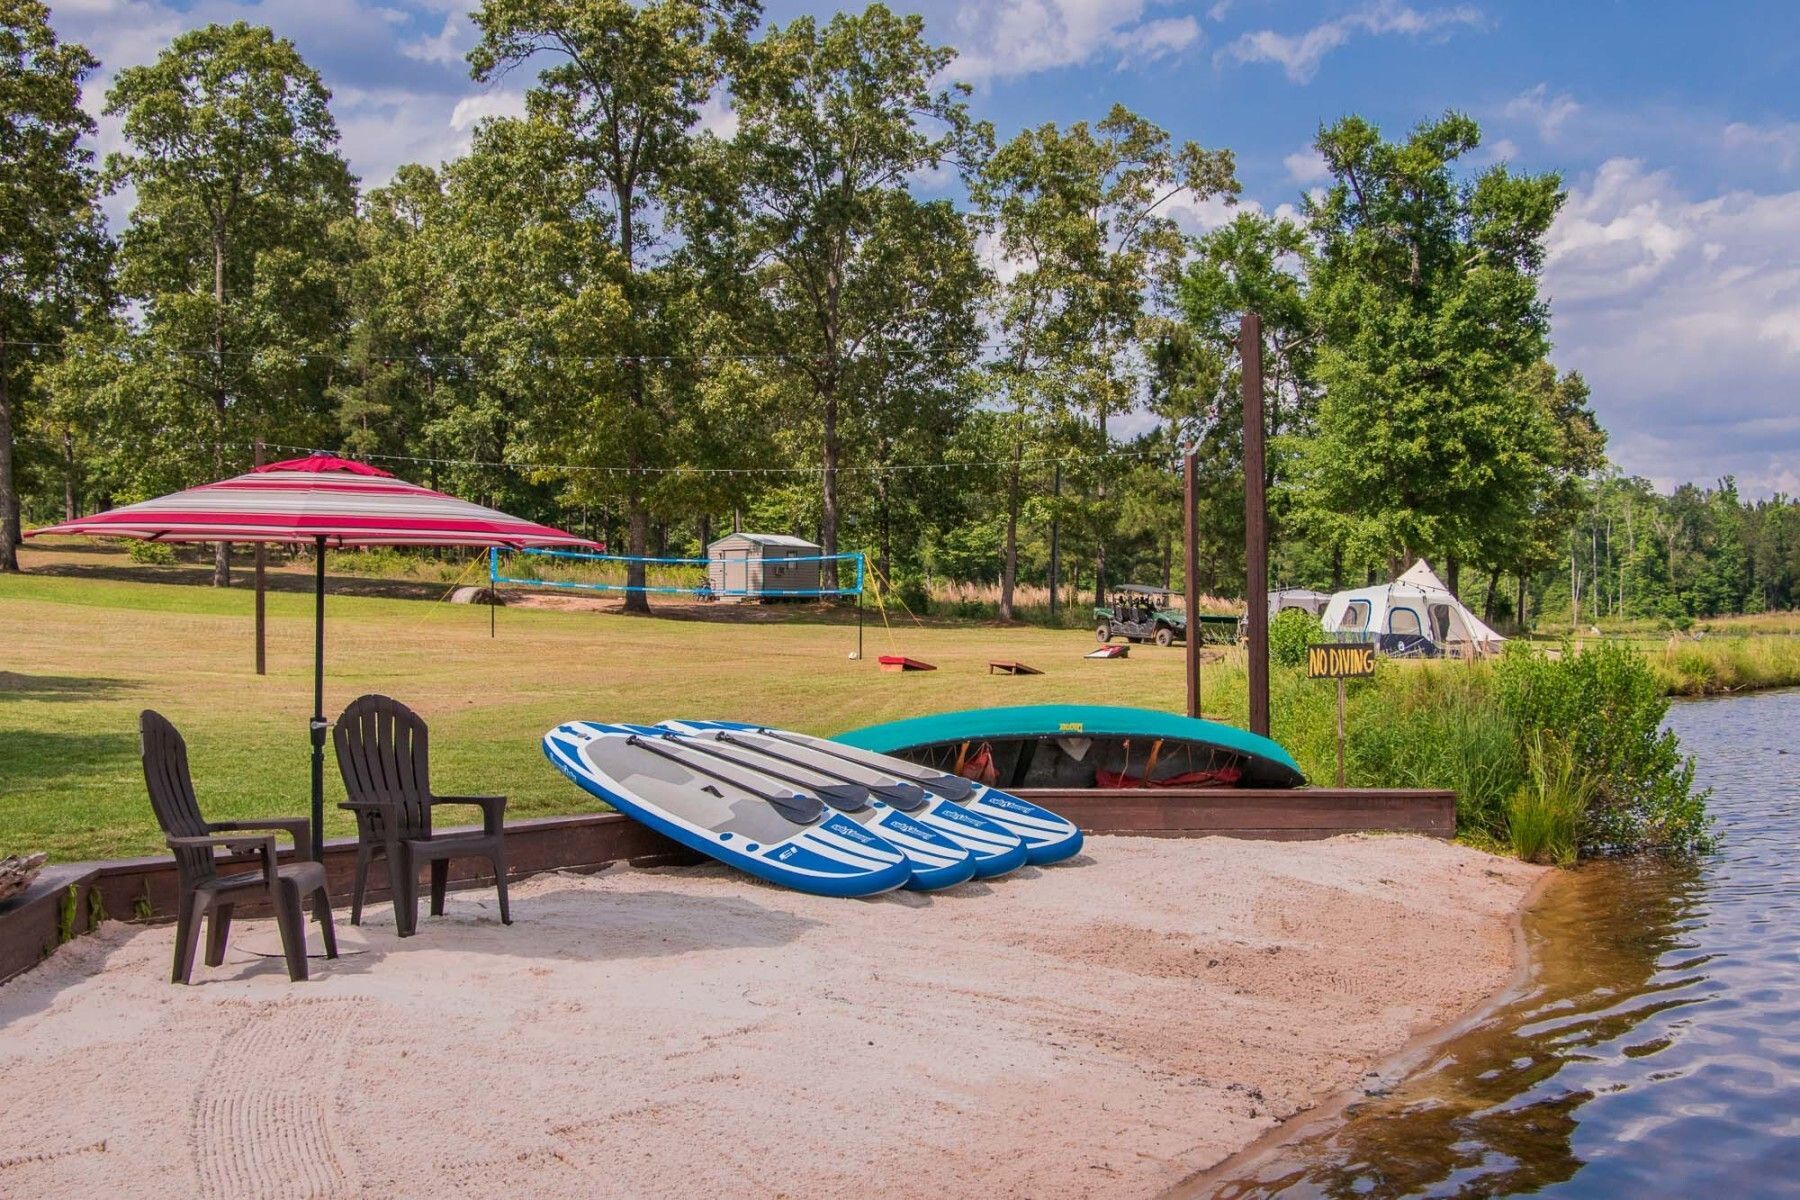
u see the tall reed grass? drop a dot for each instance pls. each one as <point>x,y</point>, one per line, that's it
<point>1544,816</point>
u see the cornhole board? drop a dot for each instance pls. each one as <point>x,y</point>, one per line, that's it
<point>899,662</point>
<point>1109,652</point>
<point>1005,666</point>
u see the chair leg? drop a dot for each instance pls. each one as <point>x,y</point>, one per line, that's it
<point>293,930</point>
<point>218,928</point>
<point>499,860</point>
<point>402,886</point>
<point>403,873</point>
<point>362,882</point>
<point>327,930</point>
<point>440,880</point>
<point>187,937</point>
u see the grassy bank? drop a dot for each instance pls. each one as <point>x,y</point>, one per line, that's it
<point>84,654</point>
<point>94,639</point>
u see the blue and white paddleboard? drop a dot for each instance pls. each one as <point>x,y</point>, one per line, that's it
<point>751,821</point>
<point>972,808</point>
<point>898,812</point>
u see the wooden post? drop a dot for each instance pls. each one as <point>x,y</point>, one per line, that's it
<point>262,563</point>
<point>1190,585</point>
<point>1256,532</point>
<point>1340,732</point>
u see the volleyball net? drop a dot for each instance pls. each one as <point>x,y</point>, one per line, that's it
<point>733,577</point>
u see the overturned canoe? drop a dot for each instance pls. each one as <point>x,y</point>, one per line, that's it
<point>1083,746</point>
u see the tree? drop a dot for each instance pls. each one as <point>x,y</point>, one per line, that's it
<point>1426,294</point>
<point>232,248</point>
<point>625,92</point>
<point>52,245</point>
<point>832,121</point>
<point>1076,215</point>
<point>1254,263</point>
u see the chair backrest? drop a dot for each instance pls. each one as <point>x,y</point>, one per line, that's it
<point>172,798</point>
<point>382,752</point>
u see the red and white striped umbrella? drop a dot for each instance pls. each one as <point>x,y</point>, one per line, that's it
<point>304,499</point>
<point>322,501</point>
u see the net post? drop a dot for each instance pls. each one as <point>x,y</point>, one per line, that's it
<point>493,586</point>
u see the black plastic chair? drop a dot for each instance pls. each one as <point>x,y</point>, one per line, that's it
<point>206,893</point>
<point>383,754</point>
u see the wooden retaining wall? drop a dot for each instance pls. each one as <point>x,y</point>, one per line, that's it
<point>144,889</point>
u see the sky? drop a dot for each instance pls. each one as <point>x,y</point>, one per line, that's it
<point>1674,267</point>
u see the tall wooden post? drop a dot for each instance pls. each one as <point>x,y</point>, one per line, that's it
<point>262,564</point>
<point>1190,581</point>
<point>1256,523</point>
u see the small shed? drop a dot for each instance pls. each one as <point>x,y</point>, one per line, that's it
<point>762,566</point>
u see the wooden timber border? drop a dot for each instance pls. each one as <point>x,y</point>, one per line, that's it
<point>35,923</point>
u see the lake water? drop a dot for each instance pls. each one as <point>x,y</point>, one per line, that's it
<point>1654,1050</point>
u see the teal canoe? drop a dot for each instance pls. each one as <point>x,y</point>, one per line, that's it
<point>1083,746</point>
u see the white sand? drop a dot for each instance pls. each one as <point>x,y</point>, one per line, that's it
<point>1111,1026</point>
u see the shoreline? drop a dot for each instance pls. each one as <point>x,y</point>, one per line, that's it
<point>1111,1025</point>
<point>1389,1072</point>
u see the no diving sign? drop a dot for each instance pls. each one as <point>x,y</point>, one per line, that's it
<point>1340,660</point>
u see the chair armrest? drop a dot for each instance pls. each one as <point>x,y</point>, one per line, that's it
<point>297,828</point>
<point>492,809</point>
<point>264,844</point>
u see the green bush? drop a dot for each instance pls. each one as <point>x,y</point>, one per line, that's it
<point>1544,817</point>
<point>1290,633</point>
<point>150,552</point>
<point>1607,704</point>
<point>1436,725</point>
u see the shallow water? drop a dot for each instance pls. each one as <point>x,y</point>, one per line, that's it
<point>1655,1049</point>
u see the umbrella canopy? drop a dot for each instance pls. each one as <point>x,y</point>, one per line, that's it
<point>304,499</point>
<point>325,501</point>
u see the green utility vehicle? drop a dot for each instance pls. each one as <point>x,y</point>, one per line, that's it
<point>1152,614</point>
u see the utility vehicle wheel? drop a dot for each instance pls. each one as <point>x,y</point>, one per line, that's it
<point>1165,636</point>
<point>1104,634</point>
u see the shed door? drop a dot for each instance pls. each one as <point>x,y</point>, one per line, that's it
<point>735,574</point>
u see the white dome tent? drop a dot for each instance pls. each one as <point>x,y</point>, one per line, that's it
<point>1415,616</point>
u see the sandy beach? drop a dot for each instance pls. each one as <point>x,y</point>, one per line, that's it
<point>1109,1026</point>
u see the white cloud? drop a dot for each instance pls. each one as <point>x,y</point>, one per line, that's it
<point>717,117</point>
<point>1684,314</point>
<point>1196,215</point>
<point>1300,54</point>
<point>1547,113</point>
<point>1306,166</point>
<point>1780,142</point>
<point>444,47</point>
<point>471,110</point>
<point>1157,39</point>
<point>1020,37</point>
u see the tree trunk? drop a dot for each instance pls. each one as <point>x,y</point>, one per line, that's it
<point>1453,575</point>
<point>637,544</point>
<point>828,508</point>
<point>1166,562</point>
<point>1009,562</point>
<point>1487,605</point>
<point>221,550</point>
<point>705,531</point>
<point>9,484</point>
<point>71,501</point>
<point>1520,615</point>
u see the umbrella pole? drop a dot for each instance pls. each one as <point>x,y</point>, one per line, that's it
<point>318,720</point>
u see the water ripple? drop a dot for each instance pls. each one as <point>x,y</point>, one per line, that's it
<point>1655,1051</point>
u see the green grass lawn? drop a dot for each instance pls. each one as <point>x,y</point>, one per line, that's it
<point>84,652</point>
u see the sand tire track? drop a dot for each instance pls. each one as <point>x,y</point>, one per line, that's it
<point>263,1122</point>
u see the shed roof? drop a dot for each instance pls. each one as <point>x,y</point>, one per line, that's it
<point>769,539</point>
